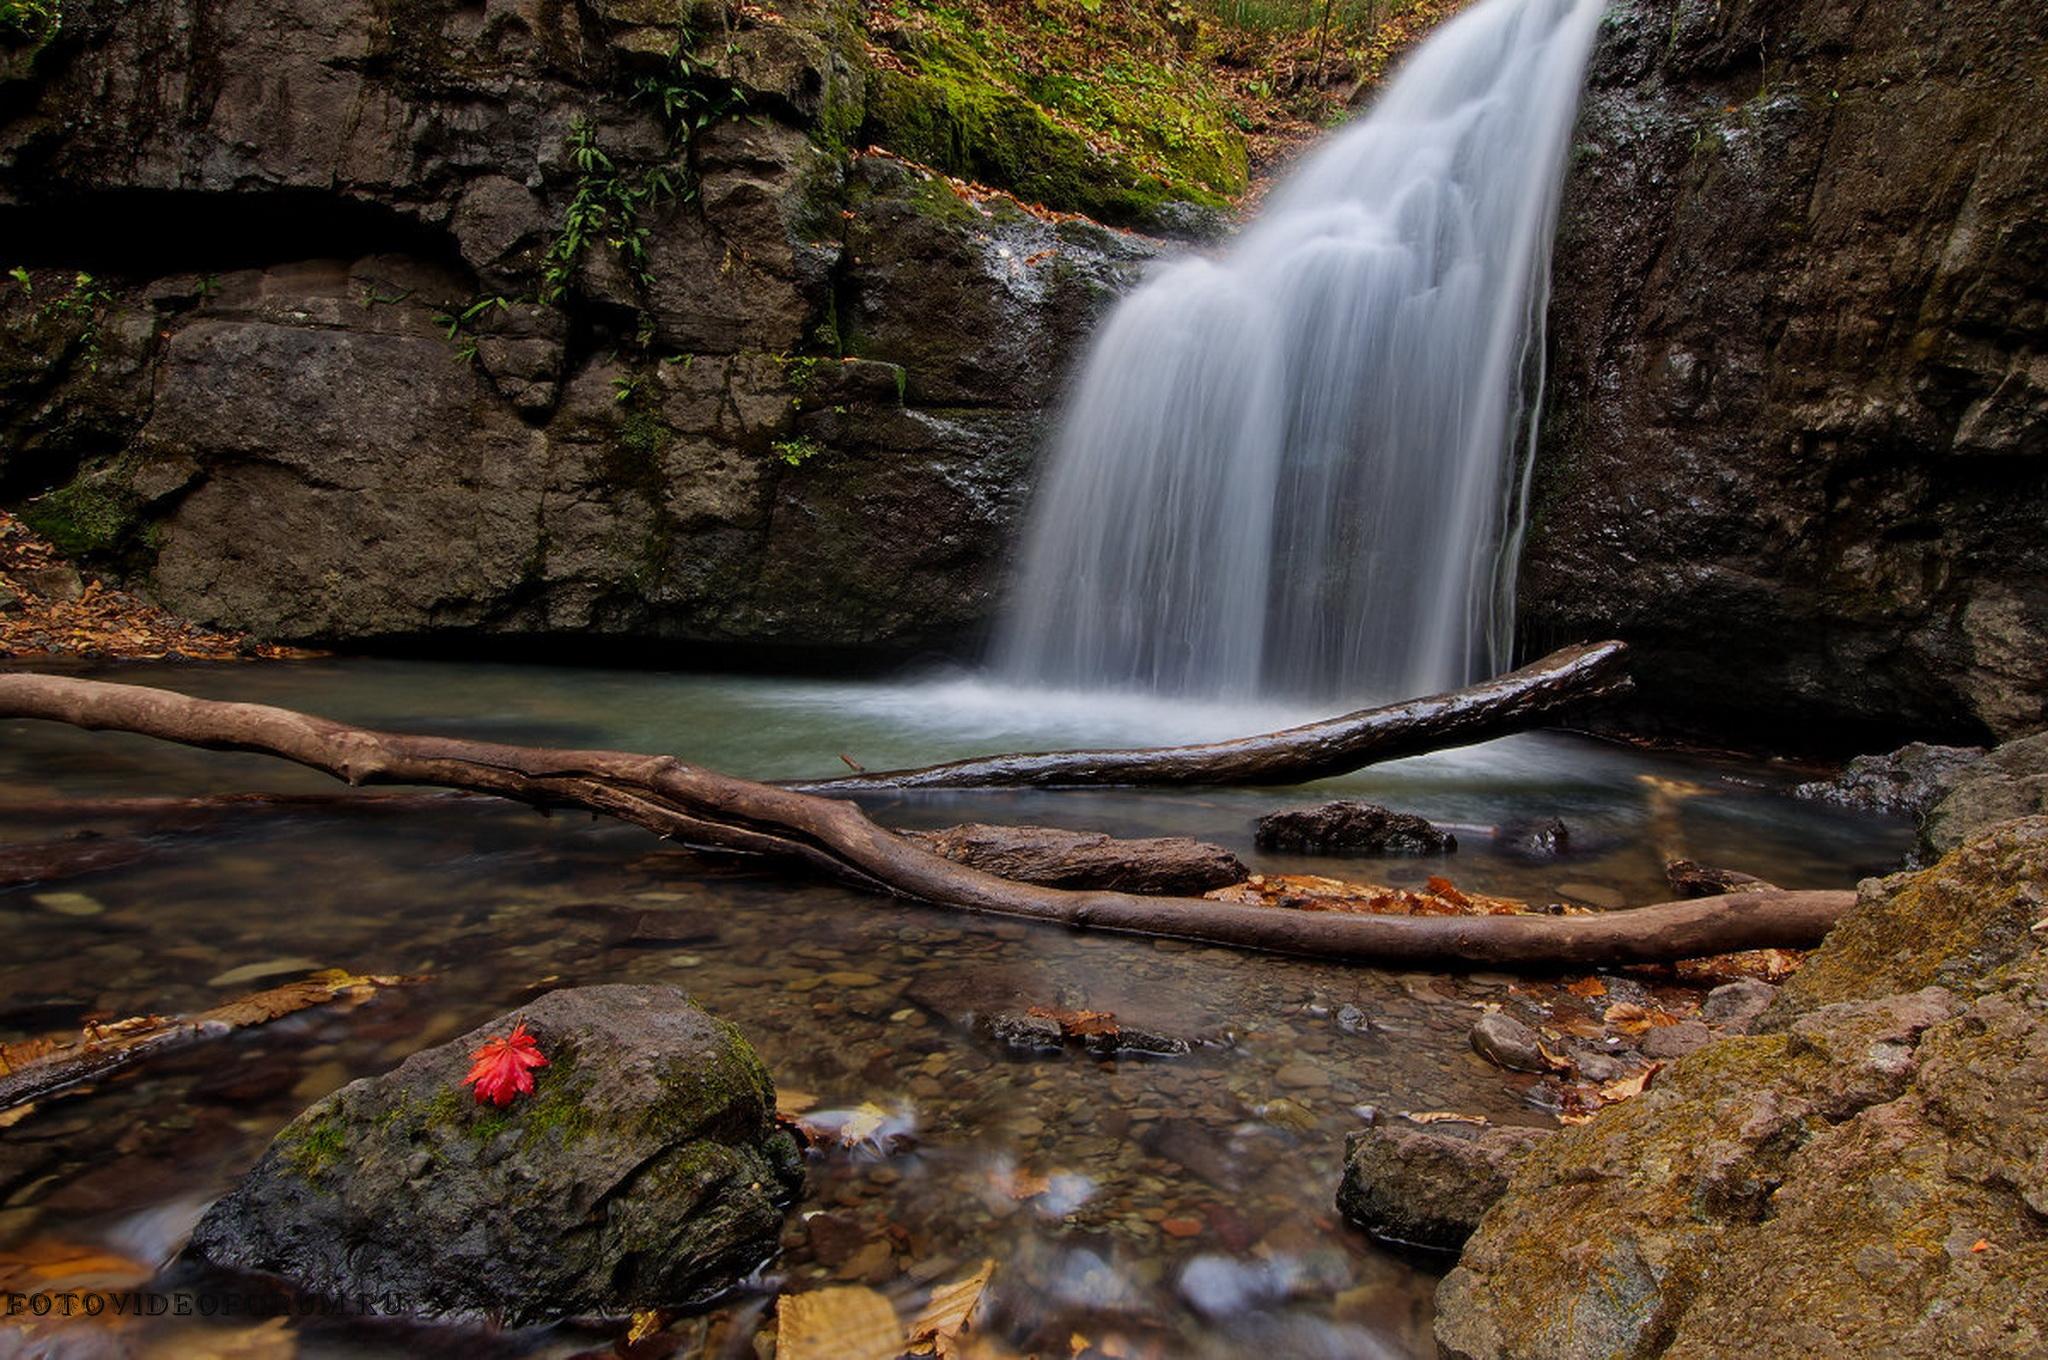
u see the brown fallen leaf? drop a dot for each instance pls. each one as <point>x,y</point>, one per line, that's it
<point>1444,1117</point>
<point>1627,1017</point>
<point>1019,1184</point>
<point>1077,1024</point>
<point>1631,1085</point>
<point>789,1103</point>
<point>846,1322</point>
<point>1591,986</point>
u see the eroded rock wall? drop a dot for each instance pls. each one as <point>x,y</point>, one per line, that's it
<point>302,345</point>
<point>1796,443</point>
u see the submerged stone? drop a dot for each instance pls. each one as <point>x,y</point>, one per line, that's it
<point>645,1170</point>
<point>1354,827</point>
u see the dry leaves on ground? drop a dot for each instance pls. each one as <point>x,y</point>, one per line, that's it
<point>851,1322</point>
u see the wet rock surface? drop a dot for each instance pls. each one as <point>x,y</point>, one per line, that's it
<point>1854,1178</point>
<point>1352,827</point>
<point>1428,1188</point>
<point>644,1169</point>
<point>2010,781</point>
<point>1792,444</point>
<point>1170,865</point>
<point>1908,781</point>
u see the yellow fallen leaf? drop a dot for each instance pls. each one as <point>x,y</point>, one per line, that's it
<point>1444,1117</point>
<point>847,1322</point>
<point>791,1103</point>
<point>951,1308</point>
<point>646,1323</point>
<point>1632,1085</point>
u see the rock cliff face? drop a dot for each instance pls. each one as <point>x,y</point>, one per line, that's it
<point>1796,443</point>
<point>391,320</point>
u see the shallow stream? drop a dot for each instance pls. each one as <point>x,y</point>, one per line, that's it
<point>1188,1208</point>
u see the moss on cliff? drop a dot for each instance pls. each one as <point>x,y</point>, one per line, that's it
<point>1115,141</point>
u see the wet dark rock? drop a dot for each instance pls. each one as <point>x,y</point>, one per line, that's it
<point>1425,1187</point>
<point>1103,1022</point>
<point>1907,782</point>
<point>1351,828</point>
<point>2010,781</point>
<point>1789,446</point>
<point>1507,1042</point>
<point>1688,879</point>
<point>1859,1177</point>
<point>1534,841</point>
<point>1167,865</point>
<point>1734,1005</point>
<point>646,1169</point>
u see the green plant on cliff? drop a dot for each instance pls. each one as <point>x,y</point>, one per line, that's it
<point>608,200</point>
<point>23,22</point>
<point>86,302</point>
<point>797,449</point>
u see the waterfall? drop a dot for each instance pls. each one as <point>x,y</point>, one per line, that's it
<point>1299,468</point>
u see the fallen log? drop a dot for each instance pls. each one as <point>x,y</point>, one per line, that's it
<point>1538,693</point>
<point>835,838</point>
<point>33,1068</point>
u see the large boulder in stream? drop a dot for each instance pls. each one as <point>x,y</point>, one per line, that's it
<point>1862,1175</point>
<point>645,1169</point>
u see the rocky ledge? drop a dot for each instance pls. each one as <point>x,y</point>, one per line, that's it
<point>1862,1175</point>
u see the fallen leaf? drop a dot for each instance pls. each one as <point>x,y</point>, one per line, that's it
<point>1077,1024</point>
<point>1018,1183</point>
<point>845,1322</point>
<point>1623,1088</point>
<point>790,1103</point>
<point>1981,1244</point>
<point>646,1323</point>
<point>502,1068</point>
<point>271,1340</point>
<point>1444,1117</point>
<point>1591,986</point>
<point>950,1310</point>
<point>1627,1017</point>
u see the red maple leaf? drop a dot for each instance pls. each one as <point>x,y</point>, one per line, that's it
<point>503,1068</point>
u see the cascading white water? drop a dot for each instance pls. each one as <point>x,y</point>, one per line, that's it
<point>1296,469</point>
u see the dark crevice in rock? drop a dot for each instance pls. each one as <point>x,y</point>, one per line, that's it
<point>146,233</point>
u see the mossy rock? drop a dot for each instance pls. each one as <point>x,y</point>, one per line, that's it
<point>1867,1180</point>
<point>644,1170</point>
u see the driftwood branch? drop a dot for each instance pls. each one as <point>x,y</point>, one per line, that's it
<point>834,837</point>
<point>1538,693</point>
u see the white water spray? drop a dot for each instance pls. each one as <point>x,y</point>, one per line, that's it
<point>1300,468</point>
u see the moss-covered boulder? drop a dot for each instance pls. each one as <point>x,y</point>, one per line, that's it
<point>645,1169</point>
<point>1866,1179</point>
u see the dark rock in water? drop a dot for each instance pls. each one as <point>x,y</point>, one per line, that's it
<point>1507,1042</point>
<point>1863,1176</point>
<point>1352,1020</point>
<point>1032,1017</point>
<point>1733,1005</point>
<point>1428,1188</point>
<point>1535,841</point>
<point>2011,781</point>
<point>1167,865</point>
<point>1688,879</point>
<point>1908,781</point>
<point>1354,828</point>
<point>645,1170</point>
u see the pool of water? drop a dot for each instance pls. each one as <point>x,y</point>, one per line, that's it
<point>1190,1210</point>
